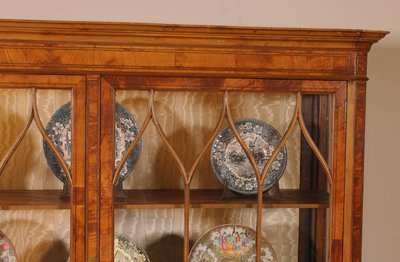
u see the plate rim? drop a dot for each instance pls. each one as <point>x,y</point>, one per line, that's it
<point>133,242</point>
<point>219,177</point>
<point>67,106</point>
<point>263,241</point>
<point>11,243</point>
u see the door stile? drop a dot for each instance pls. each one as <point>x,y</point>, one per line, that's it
<point>338,166</point>
<point>78,171</point>
<point>93,167</point>
<point>107,172</point>
<point>355,170</point>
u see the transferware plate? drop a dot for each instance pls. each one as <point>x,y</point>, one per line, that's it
<point>59,130</point>
<point>230,163</point>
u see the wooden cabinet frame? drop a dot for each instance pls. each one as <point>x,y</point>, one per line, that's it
<point>50,199</point>
<point>209,58</point>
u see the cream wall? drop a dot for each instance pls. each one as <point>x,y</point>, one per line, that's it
<point>381,235</point>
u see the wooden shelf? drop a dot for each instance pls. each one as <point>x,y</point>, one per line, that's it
<point>211,198</point>
<point>159,198</point>
<point>32,199</point>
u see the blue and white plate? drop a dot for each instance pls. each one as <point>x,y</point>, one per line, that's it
<point>230,163</point>
<point>59,130</point>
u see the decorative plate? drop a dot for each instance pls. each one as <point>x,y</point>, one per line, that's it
<point>59,130</point>
<point>230,243</point>
<point>230,163</point>
<point>125,250</point>
<point>7,250</point>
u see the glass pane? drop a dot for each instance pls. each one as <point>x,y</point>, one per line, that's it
<point>280,225</point>
<point>36,221</point>
<point>293,221</point>
<point>153,177</point>
<point>313,222</point>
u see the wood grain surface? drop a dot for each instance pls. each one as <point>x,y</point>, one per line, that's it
<point>32,200</point>
<point>93,163</point>
<point>213,198</point>
<point>109,48</point>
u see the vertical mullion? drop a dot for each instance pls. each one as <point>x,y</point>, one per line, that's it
<point>187,223</point>
<point>107,172</point>
<point>259,222</point>
<point>93,166</point>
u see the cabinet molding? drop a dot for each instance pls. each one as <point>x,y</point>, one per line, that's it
<point>121,48</point>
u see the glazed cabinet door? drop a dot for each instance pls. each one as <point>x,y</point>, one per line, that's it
<point>219,169</point>
<point>42,168</point>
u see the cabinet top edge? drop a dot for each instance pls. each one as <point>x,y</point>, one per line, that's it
<point>11,29</point>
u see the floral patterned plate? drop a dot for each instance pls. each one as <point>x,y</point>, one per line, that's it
<point>7,250</point>
<point>230,243</point>
<point>231,164</point>
<point>59,130</point>
<point>125,250</point>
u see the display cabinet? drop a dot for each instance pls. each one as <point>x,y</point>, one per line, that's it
<point>161,133</point>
